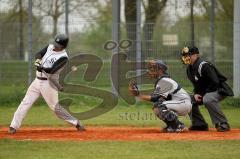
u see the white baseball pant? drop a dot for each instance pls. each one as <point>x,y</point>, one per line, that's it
<point>37,88</point>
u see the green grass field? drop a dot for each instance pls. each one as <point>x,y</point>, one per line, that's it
<point>13,87</point>
<point>120,116</point>
<point>117,150</point>
<point>140,115</point>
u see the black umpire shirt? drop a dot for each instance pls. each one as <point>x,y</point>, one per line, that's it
<point>207,82</point>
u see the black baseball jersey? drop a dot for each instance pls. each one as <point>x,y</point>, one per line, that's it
<point>203,77</point>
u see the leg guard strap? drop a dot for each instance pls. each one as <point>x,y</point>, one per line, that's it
<point>165,114</point>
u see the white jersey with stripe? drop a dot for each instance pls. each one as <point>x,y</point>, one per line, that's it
<point>52,56</point>
<point>166,86</point>
<point>180,101</point>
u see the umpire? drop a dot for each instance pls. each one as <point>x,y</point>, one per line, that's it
<point>210,88</point>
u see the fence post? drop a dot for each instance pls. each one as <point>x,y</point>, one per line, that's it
<point>66,17</point>
<point>192,23</point>
<point>115,37</point>
<point>29,42</point>
<point>21,25</point>
<point>138,39</point>
<point>236,48</point>
<point>212,22</point>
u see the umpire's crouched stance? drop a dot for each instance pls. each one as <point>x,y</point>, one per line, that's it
<point>170,99</point>
<point>210,88</point>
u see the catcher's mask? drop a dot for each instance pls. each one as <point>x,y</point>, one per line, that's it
<point>154,66</point>
<point>186,54</point>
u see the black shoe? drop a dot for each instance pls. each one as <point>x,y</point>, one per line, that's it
<point>12,130</point>
<point>80,127</point>
<point>198,128</point>
<point>222,127</point>
<point>179,128</point>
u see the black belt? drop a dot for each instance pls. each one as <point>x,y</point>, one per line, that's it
<point>41,78</point>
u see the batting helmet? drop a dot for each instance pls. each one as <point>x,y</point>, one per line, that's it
<point>61,41</point>
<point>154,66</point>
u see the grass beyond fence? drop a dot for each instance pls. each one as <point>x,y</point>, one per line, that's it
<point>16,72</point>
<point>14,77</point>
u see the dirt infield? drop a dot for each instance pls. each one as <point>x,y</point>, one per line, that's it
<point>115,133</point>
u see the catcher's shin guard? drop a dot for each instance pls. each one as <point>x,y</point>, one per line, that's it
<point>168,116</point>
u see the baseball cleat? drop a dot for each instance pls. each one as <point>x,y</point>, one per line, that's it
<point>178,129</point>
<point>12,130</point>
<point>80,127</point>
<point>222,127</point>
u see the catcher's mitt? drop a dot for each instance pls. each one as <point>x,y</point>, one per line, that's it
<point>133,89</point>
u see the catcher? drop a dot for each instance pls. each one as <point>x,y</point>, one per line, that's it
<point>169,98</point>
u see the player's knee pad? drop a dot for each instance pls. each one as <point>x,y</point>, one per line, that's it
<point>163,113</point>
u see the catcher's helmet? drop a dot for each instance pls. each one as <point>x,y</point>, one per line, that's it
<point>154,66</point>
<point>61,41</point>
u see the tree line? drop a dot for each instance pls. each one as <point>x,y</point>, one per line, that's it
<point>156,13</point>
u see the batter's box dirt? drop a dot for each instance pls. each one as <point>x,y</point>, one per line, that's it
<point>115,133</point>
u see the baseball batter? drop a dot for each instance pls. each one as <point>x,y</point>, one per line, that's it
<point>49,62</point>
<point>170,100</point>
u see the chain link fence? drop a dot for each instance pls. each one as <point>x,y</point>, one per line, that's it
<point>162,40</point>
